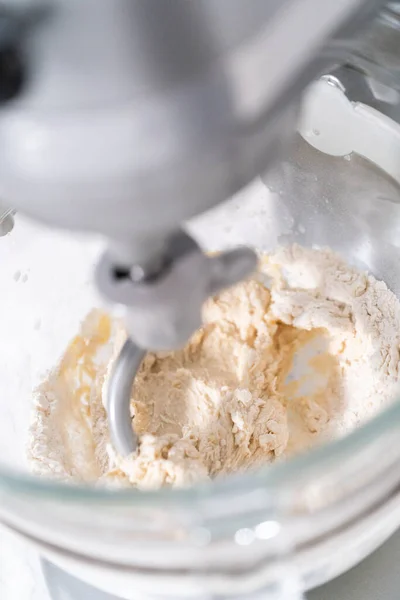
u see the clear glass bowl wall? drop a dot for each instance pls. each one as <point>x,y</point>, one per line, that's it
<point>312,517</point>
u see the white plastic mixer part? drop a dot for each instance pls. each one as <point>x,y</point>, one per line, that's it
<point>336,126</point>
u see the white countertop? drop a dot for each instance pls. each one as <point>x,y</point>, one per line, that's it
<point>20,574</point>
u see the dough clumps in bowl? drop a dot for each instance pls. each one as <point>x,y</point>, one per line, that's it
<point>299,354</point>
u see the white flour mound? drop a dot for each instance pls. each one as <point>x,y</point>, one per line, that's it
<point>302,353</point>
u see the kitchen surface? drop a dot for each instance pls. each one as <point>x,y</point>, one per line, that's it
<point>20,573</point>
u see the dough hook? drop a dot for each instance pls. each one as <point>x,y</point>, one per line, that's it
<point>123,436</point>
<point>164,310</point>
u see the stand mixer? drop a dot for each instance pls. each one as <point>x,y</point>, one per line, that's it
<point>127,118</point>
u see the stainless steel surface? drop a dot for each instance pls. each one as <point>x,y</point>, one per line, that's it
<point>377,52</point>
<point>373,74</point>
<point>360,88</point>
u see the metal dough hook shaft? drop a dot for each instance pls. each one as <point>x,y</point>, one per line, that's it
<point>121,381</point>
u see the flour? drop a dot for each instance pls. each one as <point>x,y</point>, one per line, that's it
<point>300,354</point>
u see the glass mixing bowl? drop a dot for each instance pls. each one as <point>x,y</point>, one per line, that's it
<point>269,534</point>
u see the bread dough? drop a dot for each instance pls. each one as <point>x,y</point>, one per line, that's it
<point>214,406</point>
<point>299,354</point>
